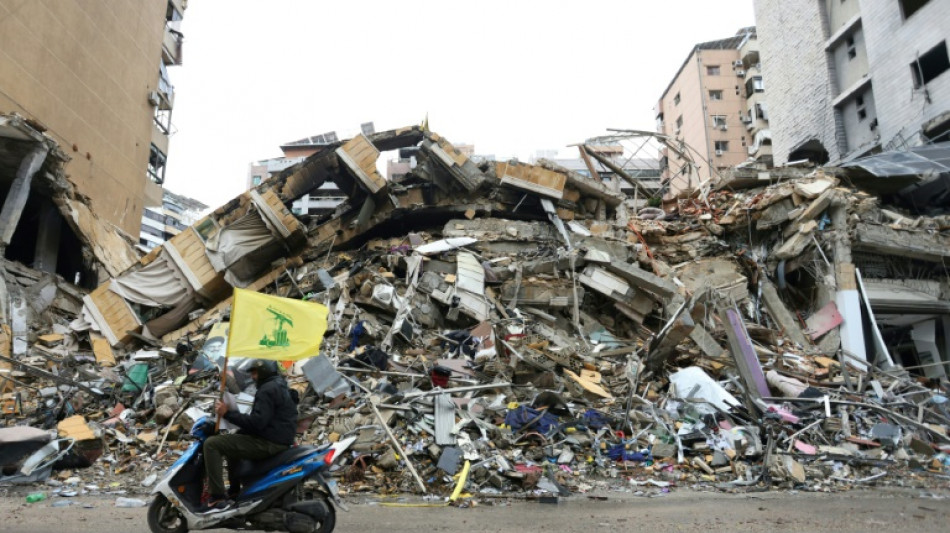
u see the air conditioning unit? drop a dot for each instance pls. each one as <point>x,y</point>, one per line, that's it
<point>723,127</point>
<point>737,64</point>
<point>746,120</point>
<point>153,98</point>
<point>718,153</point>
<point>740,73</point>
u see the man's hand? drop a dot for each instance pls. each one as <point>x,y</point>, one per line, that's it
<point>220,407</point>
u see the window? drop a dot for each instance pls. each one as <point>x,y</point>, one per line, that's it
<point>171,13</point>
<point>715,95</point>
<point>256,180</point>
<point>862,111</point>
<point>156,165</point>
<point>849,44</point>
<point>679,124</point>
<point>152,231</point>
<point>157,217</point>
<point>930,64</point>
<point>712,70</point>
<point>909,7</point>
<point>721,147</point>
<point>676,99</point>
<point>719,121</point>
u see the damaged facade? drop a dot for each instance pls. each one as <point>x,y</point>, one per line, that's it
<point>520,319</point>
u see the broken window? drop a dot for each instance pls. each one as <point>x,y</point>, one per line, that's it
<point>206,228</point>
<point>715,95</point>
<point>909,7</point>
<point>930,64</point>
<point>156,165</point>
<point>676,99</point>
<point>712,70</point>
<point>163,120</point>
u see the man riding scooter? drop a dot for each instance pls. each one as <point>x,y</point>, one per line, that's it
<point>268,430</point>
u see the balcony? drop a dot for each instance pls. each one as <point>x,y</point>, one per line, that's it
<point>761,144</point>
<point>159,137</point>
<point>750,59</point>
<point>166,92</point>
<point>172,46</point>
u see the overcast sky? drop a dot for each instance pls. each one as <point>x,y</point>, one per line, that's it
<point>511,77</point>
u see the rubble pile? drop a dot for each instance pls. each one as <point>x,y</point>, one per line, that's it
<point>501,328</point>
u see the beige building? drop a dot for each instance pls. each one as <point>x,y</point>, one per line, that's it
<point>92,75</point>
<point>704,111</point>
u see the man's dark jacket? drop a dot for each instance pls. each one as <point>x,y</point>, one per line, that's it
<point>274,415</point>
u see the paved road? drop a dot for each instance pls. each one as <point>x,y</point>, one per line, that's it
<point>681,511</point>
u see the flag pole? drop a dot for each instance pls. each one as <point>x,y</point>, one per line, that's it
<point>227,354</point>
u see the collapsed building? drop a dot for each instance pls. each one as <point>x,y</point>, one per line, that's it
<point>784,326</point>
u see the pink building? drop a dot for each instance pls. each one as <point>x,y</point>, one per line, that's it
<point>705,111</point>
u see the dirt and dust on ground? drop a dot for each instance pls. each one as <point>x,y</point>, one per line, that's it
<point>853,511</point>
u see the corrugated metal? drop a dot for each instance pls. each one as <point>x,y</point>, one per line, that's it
<point>444,419</point>
<point>929,159</point>
<point>471,275</point>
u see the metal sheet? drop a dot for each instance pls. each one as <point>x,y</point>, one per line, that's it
<point>444,419</point>
<point>929,159</point>
<point>744,354</point>
<point>471,275</point>
<point>323,376</point>
<point>823,321</point>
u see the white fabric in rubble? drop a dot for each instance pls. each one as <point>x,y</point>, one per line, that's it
<point>157,284</point>
<point>237,240</point>
<point>85,321</point>
<point>693,382</point>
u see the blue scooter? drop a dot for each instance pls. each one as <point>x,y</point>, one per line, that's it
<point>274,495</point>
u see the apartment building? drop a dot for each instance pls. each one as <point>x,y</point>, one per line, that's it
<point>852,77</point>
<point>92,75</point>
<point>758,143</point>
<point>163,220</point>
<point>705,111</point>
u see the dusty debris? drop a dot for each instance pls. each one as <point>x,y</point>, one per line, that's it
<point>518,325</point>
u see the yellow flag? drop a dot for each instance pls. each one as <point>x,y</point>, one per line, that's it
<point>271,327</point>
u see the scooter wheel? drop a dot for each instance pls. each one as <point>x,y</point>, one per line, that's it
<point>329,521</point>
<point>163,517</point>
